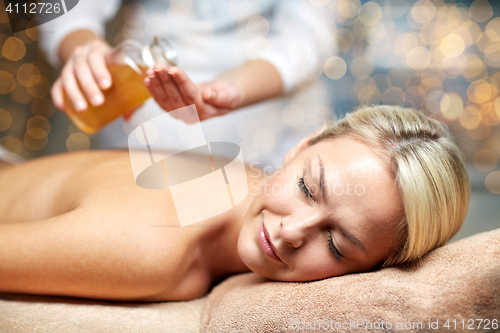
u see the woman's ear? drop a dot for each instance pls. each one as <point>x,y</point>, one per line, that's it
<point>304,143</point>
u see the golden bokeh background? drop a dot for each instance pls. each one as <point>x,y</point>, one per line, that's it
<point>439,56</point>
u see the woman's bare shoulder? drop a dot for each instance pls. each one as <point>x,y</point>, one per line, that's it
<point>53,185</point>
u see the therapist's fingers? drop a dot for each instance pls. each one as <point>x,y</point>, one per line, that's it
<point>155,87</point>
<point>70,85</point>
<point>222,94</point>
<point>87,82</point>
<point>97,62</point>
<point>210,111</point>
<point>219,97</point>
<point>174,95</point>
<point>189,91</point>
<point>57,94</point>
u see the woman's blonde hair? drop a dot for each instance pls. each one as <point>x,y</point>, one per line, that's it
<point>429,170</point>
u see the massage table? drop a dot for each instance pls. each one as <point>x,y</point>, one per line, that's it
<point>457,284</point>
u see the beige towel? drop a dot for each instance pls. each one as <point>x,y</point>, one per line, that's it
<point>458,281</point>
<point>23,313</point>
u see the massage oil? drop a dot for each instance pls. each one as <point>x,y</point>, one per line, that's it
<point>126,93</point>
<point>127,65</point>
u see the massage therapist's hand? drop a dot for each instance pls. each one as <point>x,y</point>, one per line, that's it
<point>172,89</point>
<point>86,66</point>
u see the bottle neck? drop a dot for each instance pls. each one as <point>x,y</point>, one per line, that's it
<point>159,51</point>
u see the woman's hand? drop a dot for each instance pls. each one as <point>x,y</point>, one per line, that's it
<point>85,68</point>
<point>172,89</point>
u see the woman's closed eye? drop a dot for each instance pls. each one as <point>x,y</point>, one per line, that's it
<point>303,188</point>
<point>333,248</point>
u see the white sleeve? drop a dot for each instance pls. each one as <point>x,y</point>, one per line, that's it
<point>293,47</point>
<point>87,14</point>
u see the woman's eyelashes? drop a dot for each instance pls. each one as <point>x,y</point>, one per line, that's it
<point>332,247</point>
<point>303,188</point>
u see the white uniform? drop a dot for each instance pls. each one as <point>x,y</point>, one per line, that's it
<point>211,37</point>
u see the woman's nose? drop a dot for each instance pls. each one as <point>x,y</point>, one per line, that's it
<point>295,230</point>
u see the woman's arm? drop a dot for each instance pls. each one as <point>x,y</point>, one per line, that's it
<point>77,225</point>
<point>90,254</point>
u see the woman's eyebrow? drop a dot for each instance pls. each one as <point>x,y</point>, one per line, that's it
<point>346,234</point>
<point>353,239</point>
<point>321,177</point>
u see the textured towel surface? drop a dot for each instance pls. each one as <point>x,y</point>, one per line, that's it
<point>458,281</point>
<point>22,313</point>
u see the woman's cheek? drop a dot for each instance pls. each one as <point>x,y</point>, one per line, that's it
<point>280,191</point>
<point>313,268</point>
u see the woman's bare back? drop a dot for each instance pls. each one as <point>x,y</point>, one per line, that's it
<point>77,225</point>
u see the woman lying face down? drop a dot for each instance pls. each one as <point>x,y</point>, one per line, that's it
<point>383,186</point>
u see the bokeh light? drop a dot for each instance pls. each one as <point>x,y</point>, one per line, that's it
<point>12,143</point>
<point>293,115</point>
<point>475,68</point>
<point>440,56</point>
<point>240,9</point>
<point>40,89</point>
<point>485,160</point>
<point>31,31</point>
<point>20,95</point>
<point>374,33</point>
<point>444,59</point>
<point>77,142</point>
<point>423,11</point>
<point>347,10</point>
<point>319,2</point>
<point>28,75</point>
<point>451,105</point>
<point>394,96</point>
<point>398,77</point>
<point>335,67</point>
<point>4,18</point>
<point>415,96</point>
<point>35,144</point>
<point>7,82</point>
<point>418,58</point>
<point>369,94</point>
<point>492,182</point>
<point>264,139</point>
<point>480,10</point>
<point>38,127</point>
<point>156,25</point>
<point>5,120</point>
<point>13,49</point>
<point>478,131</point>
<point>42,107</point>
<point>257,26</point>
<point>452,45</point>
<point>370,13</point>
<point>361,67</point>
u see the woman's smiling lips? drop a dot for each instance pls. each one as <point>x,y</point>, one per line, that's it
<point>265,243</point>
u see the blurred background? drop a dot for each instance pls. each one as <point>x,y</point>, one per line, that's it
<point>442,57</point>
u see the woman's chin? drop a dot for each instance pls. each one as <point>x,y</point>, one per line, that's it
<point>254,260</point>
